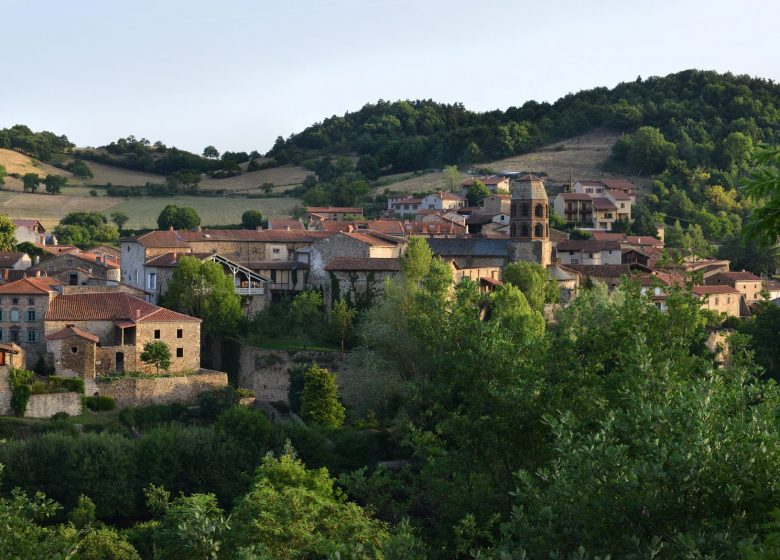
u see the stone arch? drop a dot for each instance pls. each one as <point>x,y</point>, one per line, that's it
<point>524,230</point>
<point>524,209</point>
<point>539,230</point>
<point>539,211</point>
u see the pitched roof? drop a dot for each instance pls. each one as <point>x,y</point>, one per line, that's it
<point>373,238</point>
<point>432,228</point>
<point>591,182</point>
<point>382,226</point>
<point>111,306</point>
<point>93,259</point>
<point>601,270</point>
<point>30,286</point>
<point>29,224</point>
<point>603,204</point>
<point>714,290</point>
<point>9,258</point>
<point>447,196</point>
<point>619,195</point>
<point>738,276</point>
<point>58,249</point>
<point>484,180</point>
<point>639,240</point>
<point>406,200</point>
<point>368,264</point>
<point>71,331</point>
<point>159,238</point>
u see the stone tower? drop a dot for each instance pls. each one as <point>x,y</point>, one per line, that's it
<point>529,228</point>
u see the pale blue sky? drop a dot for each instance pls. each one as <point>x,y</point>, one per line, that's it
<point>237,74</point>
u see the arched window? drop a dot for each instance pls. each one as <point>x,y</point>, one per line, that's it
<point>538,230</point>
<point>524,231</point>
<point>538,211</point>
<point>524,210</point>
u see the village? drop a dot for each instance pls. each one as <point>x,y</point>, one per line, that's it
<point>88,314</point>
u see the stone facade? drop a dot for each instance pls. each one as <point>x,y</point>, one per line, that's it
<point>529,228</point>
<point>144,391</point>
<point>77,268</point>
<point>22,320</point>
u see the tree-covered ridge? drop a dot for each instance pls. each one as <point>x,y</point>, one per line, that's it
<point>42,145</point>
<point>695,109</point>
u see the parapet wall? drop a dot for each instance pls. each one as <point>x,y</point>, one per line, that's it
<point>143,391</point>
<point>47,405</point>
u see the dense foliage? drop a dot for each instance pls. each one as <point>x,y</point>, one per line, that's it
<point>42,145</point>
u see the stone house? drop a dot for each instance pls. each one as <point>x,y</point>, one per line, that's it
<point>31,231</point>
<point>473,252</point>
<point>494,204</point>
<point>136,251</point>
<point>359,280</point>
<point>495,183</point>
<point>576,208</point>
<point>14,260</point>
<point>494,273</point>
<point>747,283</point>
<point>403,205</point>
<point>75,269</point>
<point>589,251</point>
<point>720,299</point>
<point>443,201</point>
<point>23,305</point>
<point>91,334</point>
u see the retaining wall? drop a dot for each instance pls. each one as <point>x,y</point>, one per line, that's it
<point>46,406</point>
<point>143,391</point>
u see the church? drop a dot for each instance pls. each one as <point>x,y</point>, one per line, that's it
<point>529,228</point>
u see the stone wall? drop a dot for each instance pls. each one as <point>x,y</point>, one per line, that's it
<point>189,344</point>
<point>5,392</point>
<point>265,372</point>
<point>143,391</point>
<point>46,406</point>
<point>538,251</point>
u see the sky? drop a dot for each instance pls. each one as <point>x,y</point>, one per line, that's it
<point>237,74</point>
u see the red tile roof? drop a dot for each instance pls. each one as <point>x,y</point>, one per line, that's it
<point>71,331</point>
<point>113,306</point>
<point>591,182</point>
<point>405,201</point>
<point>618,184</point>
<point>171,259</point>
<point>738,276</point>
<point>393,227</point>
<point>9,258</point>
<point>619,195</point>
<point>714,290</point>
<point>369,264</point>
<point>603,204</point>
<point>373,239</point>
<point>92,258</point>
<point>30,286</point>
<point>29,224</point>
<point>285,223</point>
<point>159,238</point>
<point>588,245</point>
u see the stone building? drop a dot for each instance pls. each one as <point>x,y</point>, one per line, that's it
<point>79,268</point>
<point>359,280</point>
<point>137,250</point>
<point>14,260</point>
<point>93,334</point>
<point>23,305</point>
<point>529,229</point>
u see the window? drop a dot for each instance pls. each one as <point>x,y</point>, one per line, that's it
<point>1,314</point>
<point>179,333</point>
<point>15,300</point>
<point>74,350</point>
<point>14,335</point>
<point>622,204</point>
<point>32,335</point>
<point>276,251</point>
<point>717,301</point>
<point>1,334</point>
<point>73,279</point>
<point>14,315</point>
<point>524,210</point>
<point>575,261</point>
<point>151,281</point>
<point>31,314</point>
<point>157,333</point>
<point>31,301</point>
<point>180,352</point>
<point>538,211</point>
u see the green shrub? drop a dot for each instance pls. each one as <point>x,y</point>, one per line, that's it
<point>20,390</point>
<point>215,402</point>
<point>281,406</point>
<point>99,403</point>
<point>60,416</point>
<point>42,368</point>
<point>146,417</point>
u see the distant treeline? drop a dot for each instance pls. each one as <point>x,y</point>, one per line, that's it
<point>694,109</point>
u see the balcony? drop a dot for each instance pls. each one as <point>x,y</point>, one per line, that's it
<point>251,291</point>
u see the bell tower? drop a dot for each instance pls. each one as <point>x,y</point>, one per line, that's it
<point>529,228</point>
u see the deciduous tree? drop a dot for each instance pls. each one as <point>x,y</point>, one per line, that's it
<point>320,404</point>
<point>158,354</point>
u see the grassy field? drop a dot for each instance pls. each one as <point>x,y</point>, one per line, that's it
<point>580,157</point>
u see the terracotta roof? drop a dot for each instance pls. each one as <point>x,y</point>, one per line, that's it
<point>405,201</point>
<point>640,240</point>
<point>369,264</point>
<point>28,224</point>
<point>71,331</point>
<point>381,226</point>
<point>589,245</point>
<point>371,238</point>
<point>485,180</point>
<point>172,258</point>
<point>112,306</point>
<point>431,228</point>
<point>58,249</point>
<point>738,276</point>
<point>491,281</point>
<point>448,196</point>
<point>619,195</point>
<point>159,238</point>
<point>713,290</point>
<point>575,196</point>
<point>335,209</point>
<point>600,270</point>
<point>9,258</point>
<point>261,236</point>
<point>30,286</point>
<point>93,259</point>
<point>10,347</point>
<point>603,204</point>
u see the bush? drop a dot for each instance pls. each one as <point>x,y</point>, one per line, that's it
<point>215,402</point>
<point>146,417</point>
<point>60,416</point>
<point>281,406</point>
<point>42,368</point>
<point>99,403</point>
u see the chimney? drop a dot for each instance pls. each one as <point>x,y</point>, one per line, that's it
<point>137,314</point>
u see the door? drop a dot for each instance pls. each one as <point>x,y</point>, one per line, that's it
<point>120,362</point>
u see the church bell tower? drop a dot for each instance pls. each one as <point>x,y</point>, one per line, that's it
<point>529,228</point>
